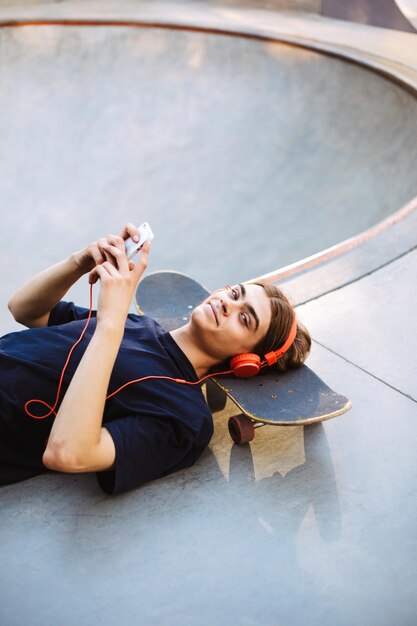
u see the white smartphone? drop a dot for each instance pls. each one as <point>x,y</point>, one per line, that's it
<point>133,247</point>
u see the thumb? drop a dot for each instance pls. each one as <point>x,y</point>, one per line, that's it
<point>146,247</point>
<point>142,264</point>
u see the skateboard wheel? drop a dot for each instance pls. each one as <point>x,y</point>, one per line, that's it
<point>241,429</point>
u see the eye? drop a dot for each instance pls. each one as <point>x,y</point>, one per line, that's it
<point>233,292</point>
<point>245,319</point>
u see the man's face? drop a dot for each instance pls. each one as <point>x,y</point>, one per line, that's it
<point>232,320</point>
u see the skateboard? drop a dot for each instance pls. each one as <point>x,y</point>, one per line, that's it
<point>293,398</point>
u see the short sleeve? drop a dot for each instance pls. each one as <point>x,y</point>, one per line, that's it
<point>146,448</point>
<point>65,312</point>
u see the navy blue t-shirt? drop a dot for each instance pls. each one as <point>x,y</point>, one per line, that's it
<point>157,426</point>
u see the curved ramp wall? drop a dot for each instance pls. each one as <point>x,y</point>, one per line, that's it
<point>245,155</point>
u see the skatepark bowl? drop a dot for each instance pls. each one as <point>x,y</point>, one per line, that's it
<point>196,131</point>
<point>256,143</point>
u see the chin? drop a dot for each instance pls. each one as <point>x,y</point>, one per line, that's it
<point>198,316</point>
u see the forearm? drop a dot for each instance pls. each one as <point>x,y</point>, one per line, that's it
<point>77,427</point>
<point>39,295</point>
<point>76,439</point>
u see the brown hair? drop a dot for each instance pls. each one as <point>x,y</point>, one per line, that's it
<point>279,328</point>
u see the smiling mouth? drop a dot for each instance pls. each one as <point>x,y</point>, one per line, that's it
<point>214,313</point>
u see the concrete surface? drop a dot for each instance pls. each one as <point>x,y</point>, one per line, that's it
<point>381,312</point>
<point>299,5</point>
<point>383,13</point>
<point>299,143</point>
<point>303,526</point>
<point>409,8</point>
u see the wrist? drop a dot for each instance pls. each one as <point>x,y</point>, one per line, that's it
<point>109,329</point>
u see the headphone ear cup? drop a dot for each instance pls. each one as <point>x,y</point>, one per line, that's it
<point>245,365</point>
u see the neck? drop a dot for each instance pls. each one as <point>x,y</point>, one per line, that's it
<point>198,358</point>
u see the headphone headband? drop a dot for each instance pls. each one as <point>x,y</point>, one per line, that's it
<point>247,365</point>
<point>272,357</point>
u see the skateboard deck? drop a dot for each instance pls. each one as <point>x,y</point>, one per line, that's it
<point>295,397</point>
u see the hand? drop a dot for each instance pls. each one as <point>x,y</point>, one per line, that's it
<point>118,283</point>
<point>95,254</point>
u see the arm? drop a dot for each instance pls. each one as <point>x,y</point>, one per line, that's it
<point>78,442</point>
<point>32,303</point>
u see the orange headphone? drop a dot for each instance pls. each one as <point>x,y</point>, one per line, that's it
<point>247,365</point>
<point>242,366</point>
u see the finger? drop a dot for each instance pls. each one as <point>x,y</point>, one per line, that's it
<point>100,245</point>
<point>99,273</point>
<point>119,256</point>
<point>130,230</point>
<point>110,269</point>
<point>106,254</point>
<point>146,247</point>
<point>100,255</point>
<point>107,272</point>
<point>142,264</point>
<point>117,241</point>
<point>93,276</point>
<point>95,253</point>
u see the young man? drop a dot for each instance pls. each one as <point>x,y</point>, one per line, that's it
<point>149,428</point>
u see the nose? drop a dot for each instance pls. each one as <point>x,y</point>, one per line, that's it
<point>225,306</point>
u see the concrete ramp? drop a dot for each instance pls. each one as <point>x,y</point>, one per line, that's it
<point>244,155</point>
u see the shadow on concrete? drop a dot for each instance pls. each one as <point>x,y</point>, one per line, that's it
<point>311,484</point>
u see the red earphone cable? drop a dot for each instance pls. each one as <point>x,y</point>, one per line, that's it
<point>131,382</point>
<point>52,408</point>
